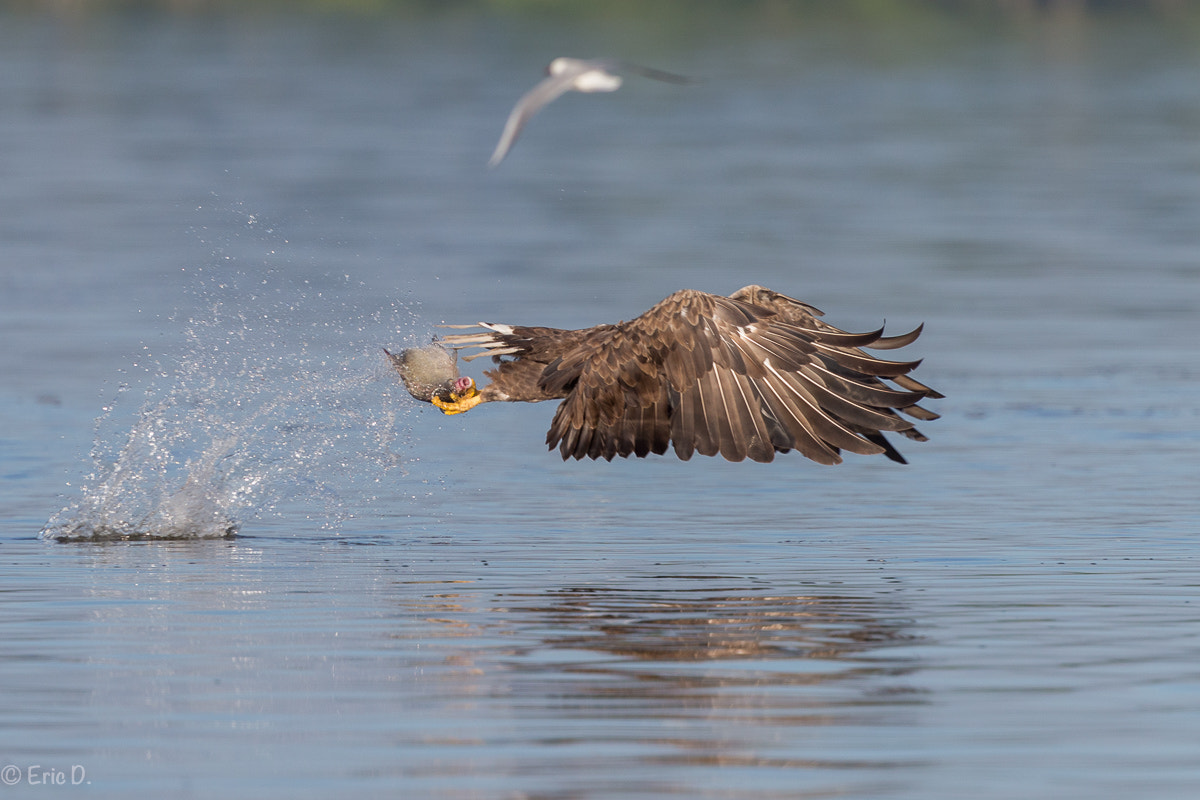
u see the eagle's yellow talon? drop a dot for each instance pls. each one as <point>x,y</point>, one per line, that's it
<point>459,403</point>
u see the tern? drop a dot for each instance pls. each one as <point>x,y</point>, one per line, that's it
<point>570,74</point>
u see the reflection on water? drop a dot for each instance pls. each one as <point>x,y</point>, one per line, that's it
<point>703,625</point>
<point>632,680</point>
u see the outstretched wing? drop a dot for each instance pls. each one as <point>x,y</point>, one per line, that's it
<point>803,315</point>
<point>647,72</point>
<point>797,312</point>
<point>713,375</point>
<point>550,88</point>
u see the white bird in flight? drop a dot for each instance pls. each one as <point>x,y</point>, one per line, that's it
<point>564,75</point>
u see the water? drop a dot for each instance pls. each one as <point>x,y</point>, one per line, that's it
<point>211,225</point>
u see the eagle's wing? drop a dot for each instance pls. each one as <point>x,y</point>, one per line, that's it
<point>711,374</point>
<point>797,312</point>
<point>804,315</point>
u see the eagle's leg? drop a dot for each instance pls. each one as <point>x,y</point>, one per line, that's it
<point>463,397</point>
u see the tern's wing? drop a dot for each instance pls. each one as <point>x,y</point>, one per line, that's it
<point>649,72</point>
<point>546,91</point>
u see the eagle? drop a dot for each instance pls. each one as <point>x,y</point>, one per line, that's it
<point>744,376</point>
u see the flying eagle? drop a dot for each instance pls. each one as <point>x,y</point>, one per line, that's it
<point>747,376</point>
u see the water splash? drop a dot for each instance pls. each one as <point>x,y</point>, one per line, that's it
<point>280,401</point>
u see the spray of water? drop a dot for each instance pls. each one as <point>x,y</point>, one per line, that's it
<point>280,402</point>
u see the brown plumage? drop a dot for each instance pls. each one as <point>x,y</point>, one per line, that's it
<point>745,376</point>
